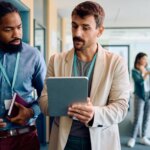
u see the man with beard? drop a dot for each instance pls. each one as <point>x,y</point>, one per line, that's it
<point>22,69</point>
<point>96,126</point>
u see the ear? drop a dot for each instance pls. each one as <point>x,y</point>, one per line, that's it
<point>100,31</point>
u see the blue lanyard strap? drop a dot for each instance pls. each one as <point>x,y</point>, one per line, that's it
<point>90,69</point>
<point>15,72</point>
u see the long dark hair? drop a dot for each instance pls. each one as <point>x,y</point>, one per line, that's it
<point>138,57</point>
<point>6,7</point>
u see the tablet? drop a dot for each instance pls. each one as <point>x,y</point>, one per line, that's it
<point>63,91</point>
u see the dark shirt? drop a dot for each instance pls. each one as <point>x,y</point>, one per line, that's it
<point>79,129</point>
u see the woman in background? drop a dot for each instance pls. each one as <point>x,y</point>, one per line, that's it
<point>141,78</point>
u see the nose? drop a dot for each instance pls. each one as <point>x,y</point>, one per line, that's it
<point>78,32</point>
<point>16,33</point>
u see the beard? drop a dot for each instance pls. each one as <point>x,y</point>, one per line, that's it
<point>11,48</point>
<point>80,45</point>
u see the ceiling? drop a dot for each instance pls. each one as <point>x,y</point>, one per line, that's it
<point>119,13</point>
<point>125,19</point>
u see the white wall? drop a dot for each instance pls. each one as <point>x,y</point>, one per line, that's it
<point>136,46</point>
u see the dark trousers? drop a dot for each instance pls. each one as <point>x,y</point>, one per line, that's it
<point>28,141</point>
<point>77,143</point>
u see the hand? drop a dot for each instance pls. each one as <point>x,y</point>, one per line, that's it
<point>84,112</point>
<point>23,116</point>
<point>142,69</point>
<point>148,72</point>
<point>2,123</point>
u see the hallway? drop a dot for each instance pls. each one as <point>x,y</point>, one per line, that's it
<point>125,130</point>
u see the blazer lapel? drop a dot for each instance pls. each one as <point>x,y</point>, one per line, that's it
<point>98,71</point>
<point>69,63</point>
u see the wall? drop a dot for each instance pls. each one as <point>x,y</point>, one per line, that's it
<point>134,48</point>
<point>51,28</point>
<point>39,11</point>
<point>29,4</point>
<point>63,33</point>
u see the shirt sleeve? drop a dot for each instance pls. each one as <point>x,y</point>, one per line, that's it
<point>38,81</point>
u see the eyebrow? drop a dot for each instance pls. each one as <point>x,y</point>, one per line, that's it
<point>86,25</point>
<point>73,22</point>
<point>12,26</point>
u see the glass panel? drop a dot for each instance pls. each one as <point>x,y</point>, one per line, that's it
<point>39,37</point>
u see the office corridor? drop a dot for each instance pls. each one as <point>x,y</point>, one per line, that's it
<point>125,130</point>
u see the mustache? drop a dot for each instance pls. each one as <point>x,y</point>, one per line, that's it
<point>78,39</point>
<point>16,39</point>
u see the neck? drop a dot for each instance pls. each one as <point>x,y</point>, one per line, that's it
<point>87,54</point>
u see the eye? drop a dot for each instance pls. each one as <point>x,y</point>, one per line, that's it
<point>20,27</point>
<point>7,29</point>
<point>74,26</point>
<point>85,28</point>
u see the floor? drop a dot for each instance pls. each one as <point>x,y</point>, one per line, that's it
<point>44,147</point>
<point>125,130</point>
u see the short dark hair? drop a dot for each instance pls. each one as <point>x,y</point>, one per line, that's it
<point>90,8</point>
<point>6,7</point>
<point>138,57</point>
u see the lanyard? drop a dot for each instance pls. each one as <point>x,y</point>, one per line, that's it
<point>15,73</point>
<point>90,69</point>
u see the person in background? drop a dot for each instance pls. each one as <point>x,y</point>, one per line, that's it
<point>22,69</point>
<point>96,123</point>
<point>141,78</point>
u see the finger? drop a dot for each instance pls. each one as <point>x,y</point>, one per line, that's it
<point>81,112</point>
<point>1,120</point>
<point>82,105</point>
<point>80,117</point>
<point>14,119</point>
<point>2,124</point>
<point>88,100</point>
<point>78,104</point>
<point>81,108</point>
<point>17,120</point>
<point>19,105</point>
<point>84,121</point>
<point>21,122</point>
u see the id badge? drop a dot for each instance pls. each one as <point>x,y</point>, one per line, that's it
<point>7,103</point>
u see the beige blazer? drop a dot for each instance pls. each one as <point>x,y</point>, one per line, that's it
<point>109,95</point>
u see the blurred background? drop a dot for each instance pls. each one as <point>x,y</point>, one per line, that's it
<point>47,26</point>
